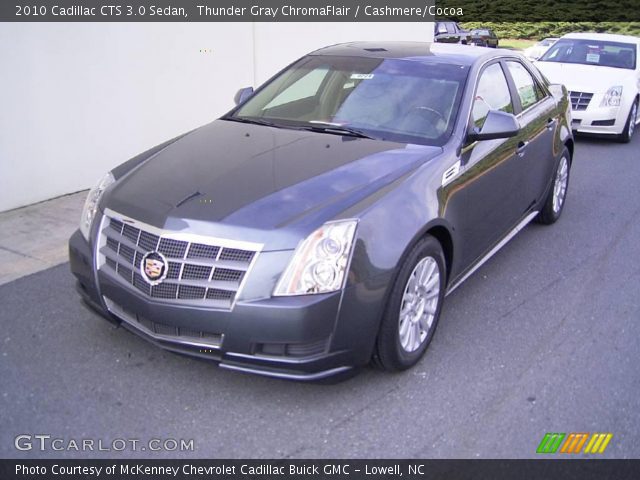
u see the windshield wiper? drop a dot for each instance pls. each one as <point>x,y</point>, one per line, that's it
<point>335,129</point>
<point>253,121</point>
<point>322,127</point>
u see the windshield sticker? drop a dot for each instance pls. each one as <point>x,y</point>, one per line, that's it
<point>361,76</point>
<point>593,57</point>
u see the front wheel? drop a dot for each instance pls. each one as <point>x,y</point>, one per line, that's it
<point>630,126</point>
<point>413,308</point>
<point>556,197</point>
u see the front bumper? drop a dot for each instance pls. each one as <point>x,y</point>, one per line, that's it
<point>301,338</point>
<point>599,120</point>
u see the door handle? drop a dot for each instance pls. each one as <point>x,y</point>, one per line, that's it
<point>522,146</point>
<point>550,123</point>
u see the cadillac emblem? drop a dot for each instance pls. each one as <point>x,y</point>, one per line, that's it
<point>154,267</point>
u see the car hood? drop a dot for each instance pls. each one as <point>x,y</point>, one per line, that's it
<point>584,78</point>
<point>264,184</point>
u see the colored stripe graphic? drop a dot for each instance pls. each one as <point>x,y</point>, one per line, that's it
<point>550,443</point>
<point>581,442</point>
<point>598,443</point>
<point>574,443</point>
<point>568,445</point>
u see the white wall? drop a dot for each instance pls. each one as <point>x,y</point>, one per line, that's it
<point>278,44</point>
<point>78,99</point>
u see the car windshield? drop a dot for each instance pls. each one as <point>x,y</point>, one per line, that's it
<point>389,99</point>
<point>592,52</point>
<point>481,32</point>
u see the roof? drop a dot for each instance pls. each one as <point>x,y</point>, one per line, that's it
<point>611,37</point>
<point>417,51</point>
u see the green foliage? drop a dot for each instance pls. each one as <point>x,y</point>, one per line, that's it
<point>539,30</point>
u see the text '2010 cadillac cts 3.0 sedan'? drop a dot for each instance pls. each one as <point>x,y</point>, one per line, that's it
<point>319,224</point>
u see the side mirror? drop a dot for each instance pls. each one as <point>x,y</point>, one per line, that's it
<point>242,95</point>
<point>497,125</point>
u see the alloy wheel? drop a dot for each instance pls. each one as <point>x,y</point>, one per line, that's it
<point>560,184</point>
<point>632,118</point>
<point>419,304</point>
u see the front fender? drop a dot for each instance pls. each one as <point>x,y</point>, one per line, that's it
<point>387,231</point>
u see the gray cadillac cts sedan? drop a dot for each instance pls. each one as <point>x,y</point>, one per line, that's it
<point>320,224</point>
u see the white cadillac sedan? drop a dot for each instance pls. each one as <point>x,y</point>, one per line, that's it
<point>602,73</point>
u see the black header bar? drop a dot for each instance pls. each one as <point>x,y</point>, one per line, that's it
<point>319,10</point>
<point>218,11</point>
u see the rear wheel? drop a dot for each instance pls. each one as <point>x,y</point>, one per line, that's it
<point>630,126</point>
<point>553,205</point>
<point>413,309</point>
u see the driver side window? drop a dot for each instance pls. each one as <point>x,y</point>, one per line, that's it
<point>492,94</point>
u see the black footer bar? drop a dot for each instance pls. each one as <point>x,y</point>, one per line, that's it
<point>545,469</point>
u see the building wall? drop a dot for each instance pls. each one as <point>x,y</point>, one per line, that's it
<point>278,44</point>
<point>78,99</point>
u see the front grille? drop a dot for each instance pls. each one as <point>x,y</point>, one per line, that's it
<point>164,332</point>
<point>580,100</point>
<point>198,273</point>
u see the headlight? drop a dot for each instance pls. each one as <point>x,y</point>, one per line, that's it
<point>612,97</point>
<point>320,262</point>
<point>91,204</point>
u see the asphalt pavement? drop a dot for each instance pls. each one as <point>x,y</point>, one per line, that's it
<point>545,337</point>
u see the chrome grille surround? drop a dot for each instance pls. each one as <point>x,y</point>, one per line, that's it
<point>202,271</point>
<point>580,100</point>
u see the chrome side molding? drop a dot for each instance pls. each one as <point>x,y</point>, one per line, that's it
<point>493,251</point>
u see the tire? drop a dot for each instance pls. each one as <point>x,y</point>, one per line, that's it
<point>630,126</point>
<point>395,351</point>
<point>556,198</point>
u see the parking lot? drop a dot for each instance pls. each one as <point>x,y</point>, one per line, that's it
<point>543,338</point>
